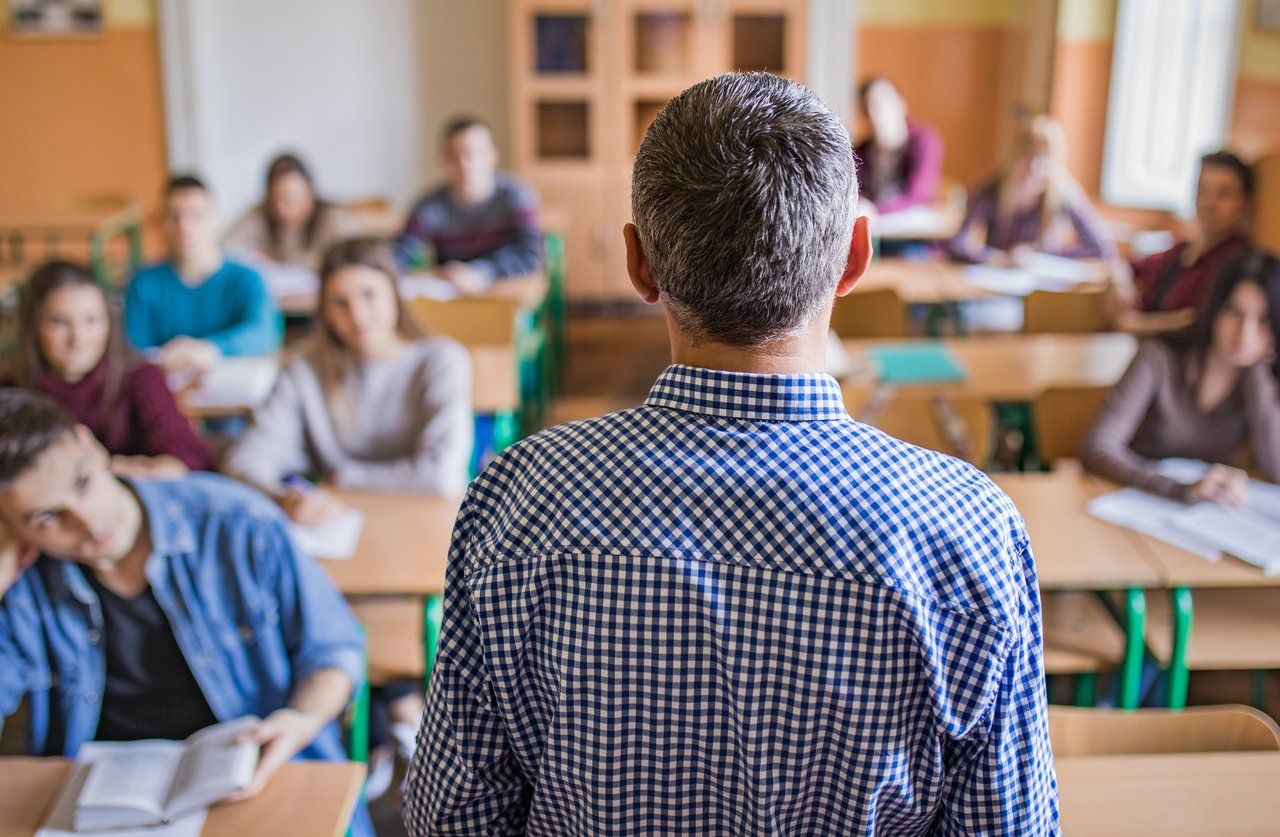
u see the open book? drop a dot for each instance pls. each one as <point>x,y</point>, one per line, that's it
<point>134,784</point>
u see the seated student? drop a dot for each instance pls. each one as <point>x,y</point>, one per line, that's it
<point>1172,284</point>
<point>196,306</point>
<point>368,402</point>
<point>482,224</point>
<point>152,609</point>
<point>900,160</point>
<point>371,403</point>
<point>292,226</point>
<point>1208,392</point>
<point>1032,204</point>
<point>70,348</point>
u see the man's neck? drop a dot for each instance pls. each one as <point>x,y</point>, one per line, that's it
<point>470,194</point>
<point>195,268</point>
<point>804,352</point>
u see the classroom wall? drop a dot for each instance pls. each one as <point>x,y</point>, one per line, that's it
<point>83,116</point>
<point>954,63</point>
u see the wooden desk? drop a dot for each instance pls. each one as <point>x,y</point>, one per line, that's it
<point>403,548</point>
<point>304,798</point>
<point>1016,367</point>
<point>1222,794</point>
<point>1073,550</point>
<point>526,291</point>
<point>84,220</point>
<point>935,281</point>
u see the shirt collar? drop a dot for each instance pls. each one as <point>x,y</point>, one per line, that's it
<point>171,531</point>
<point>811,396</point>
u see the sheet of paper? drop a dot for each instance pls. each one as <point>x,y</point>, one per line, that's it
<point>335,541</point>
<point>1013,281</point>
<point>428,286</point>
<point>1045,266</point>
<point>61,819</point>
<point>918,220</point>
<point>1149,514</point>
<point>1240,532</point>
<point>289,280</point>
<point>236,382</point>
<point>1264,497</point>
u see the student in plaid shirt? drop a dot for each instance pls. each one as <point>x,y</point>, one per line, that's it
<point>735,610</point>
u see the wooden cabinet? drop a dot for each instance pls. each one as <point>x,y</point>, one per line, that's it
<point>587,78</point>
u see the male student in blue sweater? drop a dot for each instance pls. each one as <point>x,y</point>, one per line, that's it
<point>197,306</point>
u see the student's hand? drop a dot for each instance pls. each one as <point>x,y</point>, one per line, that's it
<point>188,354</point>
<point>148,467</point>
<point>1021,255</point>
<point>15,557</point>
<point>281,735</point>
<point>1221,484</point>
<point>999,258</point>
<point>312,508</point>
<point>465,278</point>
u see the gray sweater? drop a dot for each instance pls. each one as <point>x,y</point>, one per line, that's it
<point>402,424</point>
<point>1152,414</point>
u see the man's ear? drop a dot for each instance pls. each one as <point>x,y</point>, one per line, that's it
<point>638,266</point>
<point>859,257</point>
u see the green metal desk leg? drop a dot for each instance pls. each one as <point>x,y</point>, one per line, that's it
<point>432,615</point>
<point>1086,689</point>
<point>358,735</point>
<point>1135,624</point>
<point>506,430</point>
<point>1178,674</point>
<point>134,233</point>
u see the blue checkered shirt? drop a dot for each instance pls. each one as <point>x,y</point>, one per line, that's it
<point>734,610</point>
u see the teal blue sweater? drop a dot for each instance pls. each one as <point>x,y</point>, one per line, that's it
<point>230,309</point>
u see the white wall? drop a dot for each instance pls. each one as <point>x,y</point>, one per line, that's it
<point>245,79</point>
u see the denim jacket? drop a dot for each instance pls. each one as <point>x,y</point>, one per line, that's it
<point>252,615</point>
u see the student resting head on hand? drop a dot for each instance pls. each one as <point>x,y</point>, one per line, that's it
<point>70,348</point>
<point>152,609</point>
<point>1209,392</point>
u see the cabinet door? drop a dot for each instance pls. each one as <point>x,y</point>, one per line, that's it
<point>766,35</point>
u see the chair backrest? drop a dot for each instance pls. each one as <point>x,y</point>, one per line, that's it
<point>472,321</point>
<point>957,426</point>
<point>878,313</point>
<point>1065,312</point>
<point>1062,418</point>
<point>1200,729</point>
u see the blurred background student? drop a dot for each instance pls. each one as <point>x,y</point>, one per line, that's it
<point>900,159</point>
<point>1209,392</point>
<point>293,225</point>
<point>70,348</point>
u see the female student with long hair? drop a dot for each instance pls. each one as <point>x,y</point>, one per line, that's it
<point>1209,392</point>
<point>293,225</point>
<point>71,348</point>
<point>900,159</point>
<point>1032,203</point>
<point>368,402</point>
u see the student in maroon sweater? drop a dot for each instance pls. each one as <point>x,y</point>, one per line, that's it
<point>71,349</point>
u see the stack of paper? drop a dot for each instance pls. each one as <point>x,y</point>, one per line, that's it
<point>334,541</point>
<point>235,383</point>
<point>1014,281</point>
<point>1251,534</point>
<point>923,221</point>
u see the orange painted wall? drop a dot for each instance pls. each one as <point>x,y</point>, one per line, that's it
<point>950,76</point>
<point>1255,125</point>
<point>82,117</point>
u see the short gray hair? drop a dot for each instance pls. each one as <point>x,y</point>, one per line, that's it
<point>744,194</point>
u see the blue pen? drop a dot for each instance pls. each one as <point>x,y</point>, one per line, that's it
<point>298,483</point>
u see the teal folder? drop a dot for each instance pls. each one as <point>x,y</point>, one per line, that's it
<point>915,363</point>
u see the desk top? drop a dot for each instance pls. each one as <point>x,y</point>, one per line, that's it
<point>1073,550</point>
<point>935,281</point>
<point>527,292</point>
<point>69,220</point>
<point>403,548</point>
<point>1018,367</point>
<point>1170,794</point>
<point>304,798</point>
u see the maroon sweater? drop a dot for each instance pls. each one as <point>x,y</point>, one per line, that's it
<point>1166,285</point>
<point>143,421</point>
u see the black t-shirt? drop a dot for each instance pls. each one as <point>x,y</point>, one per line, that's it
<point>150,690</point>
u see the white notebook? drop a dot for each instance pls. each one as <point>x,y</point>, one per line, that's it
<point>150,784</point>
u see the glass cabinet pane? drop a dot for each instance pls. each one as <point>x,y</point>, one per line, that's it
<point>560,43</point>
<point>759,42</point>
<point>563,130</point>
<point>662,41</point>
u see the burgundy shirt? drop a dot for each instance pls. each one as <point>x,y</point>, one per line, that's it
<point>913,175</point>
<point>144,420</point>
<point>1166,285</point>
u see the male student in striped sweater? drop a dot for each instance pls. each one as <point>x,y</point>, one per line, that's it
<point>482,224</point>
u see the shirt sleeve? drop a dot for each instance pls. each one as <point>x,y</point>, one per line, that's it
<point>980,211</point>
<point>464,777</point>
<point>1004,782</point>
<point>522,252</point>
<point>319,629</point>
<point>1091,241</point>
<point>162,426</point>
<point>438,464</point>
<point>1107,449</point>
<point>139,319</point>
<point>257,328</point>
<point>411,244</point>
<point>1262,411</point>
<point>274,445</point>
